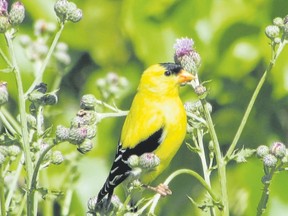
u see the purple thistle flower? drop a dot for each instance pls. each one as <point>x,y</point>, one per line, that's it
<point>3,7</point>
<point>183,46</point>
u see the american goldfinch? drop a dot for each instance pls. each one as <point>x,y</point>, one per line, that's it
<point>156,123</point>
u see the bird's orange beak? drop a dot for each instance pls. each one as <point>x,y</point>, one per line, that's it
<point>184,77</point>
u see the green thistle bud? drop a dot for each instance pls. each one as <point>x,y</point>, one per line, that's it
<point>61,8</point>
<point>62,133</point>
<point>278,149</point>
<point>13,150</point>
<point>57,157</point>
<point>88,102</point>
<point>262,151</point>
<point>3,93</point>
<point>77,135</point>
<point>49,99</point>
<point>92,203</point>
<point>278,21</point>
<point>85,146</point>
<point>201,91</point>
<point>269,160</point>
<point>91,131</point>
<point>117,204</point>
<point>272,31</point>
<point>4,24</point>
<point>84,117</point>
<point>16,14</point>
<point>133,161</point>
<point>2,158</point>
<point>75,15</point>
<point>149,161</point>
<point>31,121</point>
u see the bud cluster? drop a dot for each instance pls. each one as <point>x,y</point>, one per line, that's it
<point>11,152</point>
<point>144,163</point>
<point>40,97</point>
<point>277,153</point>
<point>36,49</point>
<point>12,18</point>
<point>195,114</point>
<point>111,85</point>
<point>278,30</point>
<point>113,206</point>
<point>83,126</point>
<point>67,11</point>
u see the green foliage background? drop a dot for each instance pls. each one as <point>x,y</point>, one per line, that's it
<point>126,36</point>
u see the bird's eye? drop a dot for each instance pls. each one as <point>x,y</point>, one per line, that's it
<point>167,73</point>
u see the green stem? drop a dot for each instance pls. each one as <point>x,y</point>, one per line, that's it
<point>11,122</point>
<point>13,184</point>
<point>23,117</point>
<point>179,172</point>
<point>67,202</point>
<point>219,159</point>
<point>33,185</point>
<point>7,124</point>
<point>2,194</point>
<point>110,115</point>
<point>40,73</point>
<point>5,58</point>
<point>253,99</point>
<point>206,171</point>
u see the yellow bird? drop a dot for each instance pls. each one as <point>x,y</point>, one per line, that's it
<point>156,123</point>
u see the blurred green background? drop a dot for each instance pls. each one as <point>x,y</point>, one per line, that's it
<point>126,36</point>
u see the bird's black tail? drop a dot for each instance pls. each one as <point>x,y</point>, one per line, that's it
<point>118,173</point>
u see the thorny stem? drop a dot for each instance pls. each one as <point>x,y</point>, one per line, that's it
<point>23,117</point>
<point>265,194</point>
<point>172,176</point>
<point>253,99</point>
<point>40,73</point>
<point>219,159</point>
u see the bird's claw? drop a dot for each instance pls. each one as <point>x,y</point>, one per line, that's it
<point>161,189</point>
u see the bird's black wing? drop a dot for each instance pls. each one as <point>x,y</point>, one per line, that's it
<point>120,170</point>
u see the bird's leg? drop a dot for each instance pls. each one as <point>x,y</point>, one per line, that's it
<point>162,189</point>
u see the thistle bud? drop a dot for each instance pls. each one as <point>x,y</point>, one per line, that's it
<point>133,161</point>
<point>3,7</point>
<point>85,146</point>
<point>4,24</point>
<point>49,99</point>
<point>62,133</point>
<point>61,8</point>
<point>186,55</point>
<point>57,157</point>
<point>13,150</point>
<point>116,202</point>
<point>272,31</point>
<point>278,149</point>
<point>278,21</point>
<point>75,15</point>
<point>92,203</point>
<point>16,14</point>
<point>149,161</point>
<point>262,151</point>
<point>269,160</point>
<point>88,102</point>
<point>3,93</point>
<point>77,135</point>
